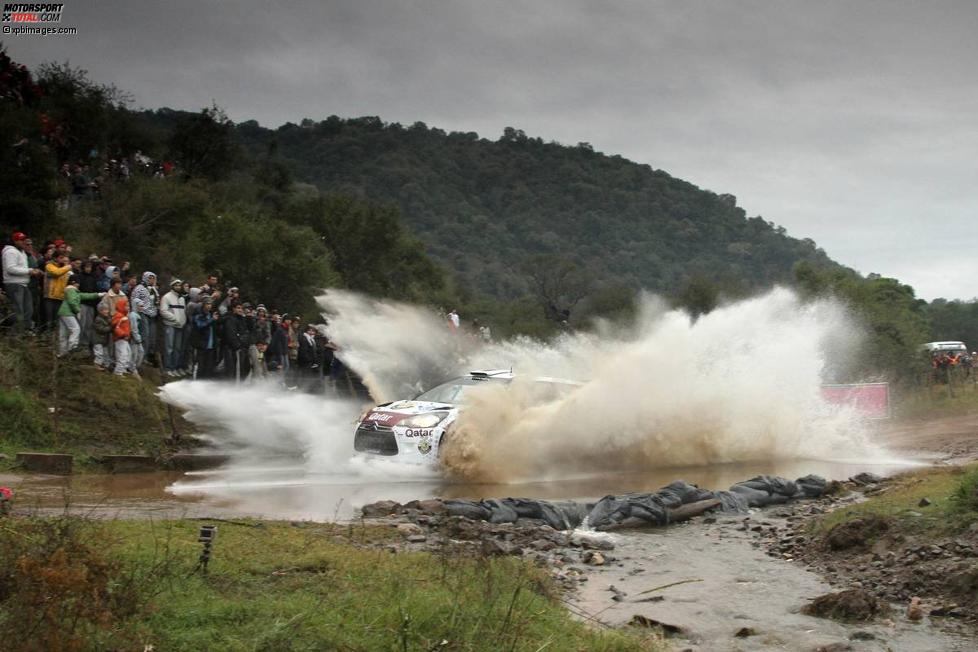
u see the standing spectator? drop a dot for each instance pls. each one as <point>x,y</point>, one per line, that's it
<point>102,338</point>
<point>236,344</point>
<point>149,295</point>
<point>227,305</point>
<point>211,285</point>
<point>138,328</point>
<point>278,346</point>
<point>204,338</point>
<point>173,308</point>
<point>69,330</point>
<point>130,285</point>
<point>17,273</point>
<point>453,321</point>
<point>308,358</point>
<point>192,296</point>
<point>56,279</point>
<point>259,371</point>
<point>88,284</point>
<point>113,295</point>
<point>121,332</point>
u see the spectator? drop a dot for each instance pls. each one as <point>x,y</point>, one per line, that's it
<point>278,346</point>
<point>204,338</point>
<point>17,273</point>
<point>308,357</point>
<point>173,308</point>
<point>236,344</point>
<point>56,279</point>
<point>149,295</point>
<point>112,296</point>
<point>453,321</point>
<point>69,330</point>
<point>88,284</point>
<point>121,333</point>
<point>130,285</point>
<point>138,328</point>
<point>102,338</point>
<point>259,371</point>
<point>228,303</point>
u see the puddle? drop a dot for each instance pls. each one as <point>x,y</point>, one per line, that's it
<point>291,491</point>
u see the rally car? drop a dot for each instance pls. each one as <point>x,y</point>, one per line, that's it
<point>414,430</point>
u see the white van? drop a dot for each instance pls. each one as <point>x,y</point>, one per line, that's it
<point>953,348</point>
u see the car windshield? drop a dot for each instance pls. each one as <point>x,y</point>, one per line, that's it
<point>453,391</point>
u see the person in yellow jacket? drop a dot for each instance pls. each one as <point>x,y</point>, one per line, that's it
<point>55,281</point>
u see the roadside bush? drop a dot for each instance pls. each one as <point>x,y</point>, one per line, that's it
<point>59,591</point>
<point>965,495</point>
<point>19,421</point>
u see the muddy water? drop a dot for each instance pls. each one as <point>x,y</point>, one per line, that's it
<point>724,583</point>
<point>289,490</point>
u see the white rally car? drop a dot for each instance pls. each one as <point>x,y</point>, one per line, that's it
<point>414,430</point>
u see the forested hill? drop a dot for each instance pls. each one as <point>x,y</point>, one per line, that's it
<point>481,207</point>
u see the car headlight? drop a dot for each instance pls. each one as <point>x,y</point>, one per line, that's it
<point>429,420</point>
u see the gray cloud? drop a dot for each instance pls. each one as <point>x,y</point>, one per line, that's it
<point>852,124</point>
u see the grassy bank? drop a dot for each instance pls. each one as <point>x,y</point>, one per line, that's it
<point>69,406</point>
<point>950,492</point>
<point>931,401</point>
<point>271,586</point>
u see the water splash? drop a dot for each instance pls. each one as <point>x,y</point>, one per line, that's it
<point>739,384</point>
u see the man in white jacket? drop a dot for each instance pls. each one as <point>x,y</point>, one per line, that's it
<point>16,281</point>
<point>173,307</point>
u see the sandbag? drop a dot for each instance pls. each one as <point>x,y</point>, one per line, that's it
<point>680,492</point>
<point>812,486</point>
<point>500,512</point>
<point>468,509</point>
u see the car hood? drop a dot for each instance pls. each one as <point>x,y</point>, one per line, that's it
<point>390,414</point>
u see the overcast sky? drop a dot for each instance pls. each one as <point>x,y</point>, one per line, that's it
<point>853,123</point>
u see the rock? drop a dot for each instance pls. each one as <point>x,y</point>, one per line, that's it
<point>417,538</point>
<point>496,547</point>
<point>914,610</point>
<point>408,529</point>
<point>431,506</point>
<point>858,532</point>
<point>380,509</point>
<point>861,635</point>
<point>639,620</point>
<point>854,605</point>
<point>864,479</point>
<point>924,502</point>
<point>594,558</point>
<point>744,632</point>
<point>543,545</point>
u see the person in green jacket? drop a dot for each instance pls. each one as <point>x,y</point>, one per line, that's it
<point>69,330</point>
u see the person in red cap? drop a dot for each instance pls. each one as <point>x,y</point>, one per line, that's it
<point>17,274</point>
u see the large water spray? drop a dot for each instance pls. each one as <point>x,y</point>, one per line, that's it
<point>739,384</point>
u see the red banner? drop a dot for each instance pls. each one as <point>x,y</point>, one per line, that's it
<point>870,399</point>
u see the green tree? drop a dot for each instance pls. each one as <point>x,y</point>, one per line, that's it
<point>203,144</point>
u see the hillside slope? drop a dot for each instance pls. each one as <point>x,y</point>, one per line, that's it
<point>482,206</point>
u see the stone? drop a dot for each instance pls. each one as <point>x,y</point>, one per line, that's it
<point>408,529</point>
<point>744,632</point>
<point>417,538</point>
<point>594,558</point>
<point>543,545</point>
<point>668,629</point>
<point>861,635</point>
<point>836,646</point>
<point>495,547</point>
<point>853,605</point>
<point>924,502</point>
<point>914,610</point>
<point>380,509</point>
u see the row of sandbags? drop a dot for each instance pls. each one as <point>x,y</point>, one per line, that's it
<point>673,502</point>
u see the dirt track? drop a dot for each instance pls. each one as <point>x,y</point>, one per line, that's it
<point>951,438</point>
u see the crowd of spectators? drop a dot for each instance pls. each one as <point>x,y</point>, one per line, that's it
<point>122,321</point>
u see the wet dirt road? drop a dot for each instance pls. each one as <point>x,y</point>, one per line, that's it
<point>727,583</point>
